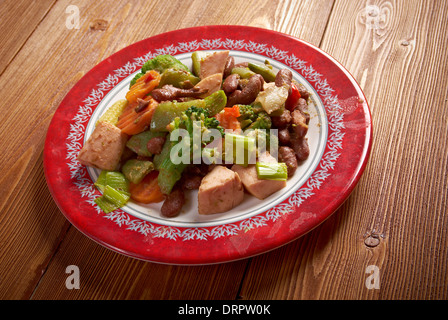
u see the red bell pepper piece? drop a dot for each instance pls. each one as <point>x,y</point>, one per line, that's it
<point>293,98</point>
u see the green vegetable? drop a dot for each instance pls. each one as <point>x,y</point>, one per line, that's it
<point>264,70</point>
<point>162,62</point>
<point>105,205</point>
<point>118,181</point>
<point>134,80</point>
<point>178,78</point>
<point>115,188</point>
<point>240,149</point>
<point>263,121</point>
<point>159,158</point>
<point>138,143</point>
<point>167,111</point>
<point>215,102</point>
<point>266,140</point>
<point>246,113</point>
<point>115,197</point>
<point>273,99</point>
<point>169,174</point>
<point>272,171</point>
<point>135,170</point>
<point>114,179</point>
<point>250,119</point>
<point>245,73</point>
<point>101,182</point>
<point>196,121</point>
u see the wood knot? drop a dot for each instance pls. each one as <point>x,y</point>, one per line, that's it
<point>372,241</point>
<point>405,43</point>
<point>99,24</point>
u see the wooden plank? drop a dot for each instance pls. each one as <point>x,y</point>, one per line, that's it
<point>27,15</point>
<point>105,275</point>
<point>396,217</point>
<point>32,227</point>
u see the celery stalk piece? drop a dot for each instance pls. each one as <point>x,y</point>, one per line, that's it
<point>118,181</point>
<point>169,174</point>
<point>159,158</point>
<point>215,102</point>
<point>167,111</point>
<point>105,204</point>
<point>116,197</point>
<point>272,171</point>
<point>244,73</point>
<point>101,182</point>
<point>240,149</point>
<point>135,170</point>
<point>267,73</point>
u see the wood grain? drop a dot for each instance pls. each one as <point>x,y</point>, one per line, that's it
<point>37,242</point>
<point>392,48</point>
<point>18,21</point>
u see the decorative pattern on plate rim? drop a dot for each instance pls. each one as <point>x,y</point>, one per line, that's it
<point>83,182</point>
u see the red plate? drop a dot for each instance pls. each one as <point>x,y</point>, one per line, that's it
<point>339,135</point>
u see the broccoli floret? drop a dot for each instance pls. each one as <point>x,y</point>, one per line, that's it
<point>189,121</point>
<point>263,121</point>
<point>246,113</point>
<point>160,64</point>
<point>163,62</point>
<point>252,118</point>
<point>199,114</point>
<point>137,76</point>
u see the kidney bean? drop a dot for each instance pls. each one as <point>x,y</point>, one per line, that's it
<point>231,83</point>
<point>303,92</point>
<point>173,203</point>
<point>302,106</point>
<point>191,182</point>
<point>300,147</point>
<point>284,137</point>
<point>284,76</point>
<point>283,120</point>
<point>288,156</point>
<point>248,94</point>
<point>299,123</point>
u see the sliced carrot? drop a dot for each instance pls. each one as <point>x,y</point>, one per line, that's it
<point>143,86</point>
<point>132,122</point>
<point>147,191</point>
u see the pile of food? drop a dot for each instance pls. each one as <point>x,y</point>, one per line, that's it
<point>222,128</point>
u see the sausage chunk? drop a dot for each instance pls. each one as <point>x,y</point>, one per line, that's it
<point>259,188</point>
<point>220,190</point>
<point>104,147</point>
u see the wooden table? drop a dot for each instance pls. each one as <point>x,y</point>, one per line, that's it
<point>395,219</point>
